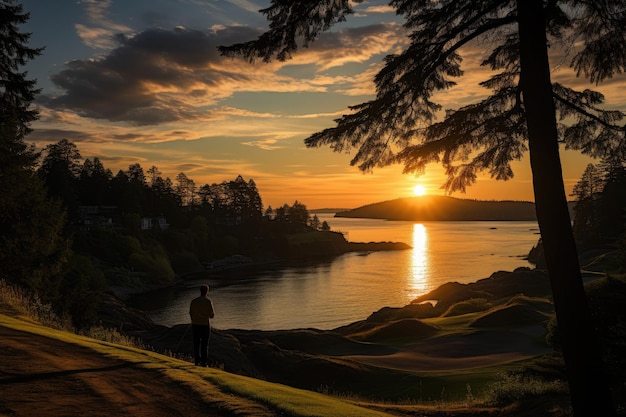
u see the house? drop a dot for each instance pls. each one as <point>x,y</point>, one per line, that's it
<point>98,217</point>
<point>149,223</point>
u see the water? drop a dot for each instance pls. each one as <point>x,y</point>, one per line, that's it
<point>350,287</point>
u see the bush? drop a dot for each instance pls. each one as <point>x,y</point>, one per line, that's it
<point>185,262</point>
<point>515,387</point>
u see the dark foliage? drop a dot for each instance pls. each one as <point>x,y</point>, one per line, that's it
<point>33,247</point>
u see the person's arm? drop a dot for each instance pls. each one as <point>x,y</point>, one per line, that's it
<point>212,312</point>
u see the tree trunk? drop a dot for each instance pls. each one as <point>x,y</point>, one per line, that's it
<point>588,384</point>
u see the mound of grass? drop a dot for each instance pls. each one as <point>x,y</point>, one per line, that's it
<point>473,305</point>
<point>543,305</point>
<point>402,330</point>
<point>510,315</point>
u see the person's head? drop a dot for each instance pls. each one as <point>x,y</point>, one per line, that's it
<point>204,289</point>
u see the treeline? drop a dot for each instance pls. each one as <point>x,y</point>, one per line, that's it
<point>599,213</point>
<point>137,193</point>
<point>137,228</point>
<point>600,205</point>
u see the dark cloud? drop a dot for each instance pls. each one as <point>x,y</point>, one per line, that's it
<point>131,83</point>
<point>55,135</point>
<point>128,136</point>
<point>156,76</point>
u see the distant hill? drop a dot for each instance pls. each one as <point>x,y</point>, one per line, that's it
<point>442,208</point>
<point>328,210</point>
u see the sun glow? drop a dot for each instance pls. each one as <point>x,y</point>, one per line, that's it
<point>419,190</point>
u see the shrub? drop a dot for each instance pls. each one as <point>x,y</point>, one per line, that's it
<point>185,262</point>
<point>515,387</point>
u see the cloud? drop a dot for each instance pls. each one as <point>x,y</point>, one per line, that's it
<point>246,5</point>
<point>382,8</point>
<point>47,136</point>
<point>352,45</point>
<point>265,144</point>
<point>148,79</point>
<point>100,32</point>
<point>163,76</point>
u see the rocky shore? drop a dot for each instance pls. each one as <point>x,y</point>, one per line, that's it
<point>510,312</point>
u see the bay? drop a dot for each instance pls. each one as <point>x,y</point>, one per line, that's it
<point>348,288</point>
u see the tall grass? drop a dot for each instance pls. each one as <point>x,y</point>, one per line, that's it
<point>15,300</point>
<point>518,387</point>
<point>28,305</point>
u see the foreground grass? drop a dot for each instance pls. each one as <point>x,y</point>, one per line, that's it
<point>216,386</point>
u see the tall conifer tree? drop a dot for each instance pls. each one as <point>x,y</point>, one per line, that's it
<point>400,123</point>
<point>32,247</point>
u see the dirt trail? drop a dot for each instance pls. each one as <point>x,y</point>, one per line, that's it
<point>47,377</point>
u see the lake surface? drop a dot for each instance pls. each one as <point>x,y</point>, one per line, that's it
<point>350,287</point>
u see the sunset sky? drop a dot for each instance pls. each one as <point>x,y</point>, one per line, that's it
<point>141,81</point>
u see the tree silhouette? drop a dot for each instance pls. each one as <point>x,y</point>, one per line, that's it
<point>521,115</point>
<point>17,91</point>
<point>60,170</point>
<point>94,183</point>
<point>586,215</point>
<point>33,248</point>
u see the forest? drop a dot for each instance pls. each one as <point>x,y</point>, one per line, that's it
<point>138,229</point>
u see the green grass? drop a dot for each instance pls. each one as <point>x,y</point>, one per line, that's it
<point>448,390</point>
<point>213,384</point>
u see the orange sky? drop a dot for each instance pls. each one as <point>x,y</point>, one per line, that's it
<point>163,96</point>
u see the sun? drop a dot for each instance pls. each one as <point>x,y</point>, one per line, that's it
<point>419,190</point>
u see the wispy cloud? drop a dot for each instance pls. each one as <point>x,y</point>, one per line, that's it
<point>383,8</point>
<point>265,144</point>
<point>101,30</point>
<point>246,5</point>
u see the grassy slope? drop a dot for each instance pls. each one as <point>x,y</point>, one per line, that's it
<point>210,383</point>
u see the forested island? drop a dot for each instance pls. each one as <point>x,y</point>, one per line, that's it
<point>443,208</point>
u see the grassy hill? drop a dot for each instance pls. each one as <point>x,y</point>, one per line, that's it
<point>441,208</point>
<point>225,393</point>
<point>475,349</point>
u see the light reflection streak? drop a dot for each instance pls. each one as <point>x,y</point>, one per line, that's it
<point>419,261</point>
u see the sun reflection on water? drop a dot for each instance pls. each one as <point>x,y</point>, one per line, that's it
<point>419,261</point>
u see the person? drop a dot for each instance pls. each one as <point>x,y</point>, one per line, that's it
<point>201,311</point>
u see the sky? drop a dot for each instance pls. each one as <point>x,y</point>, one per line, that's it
<point>142,81</point>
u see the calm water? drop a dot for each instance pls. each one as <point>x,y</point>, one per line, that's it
<point>349,288</point>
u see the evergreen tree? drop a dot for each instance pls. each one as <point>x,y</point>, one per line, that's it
<point>520,115</point>
<point>16,91</point>
<point>586,215</point>
<point>298,214</point>
<point>60,171</point>
<point>185,189</point>
<point>33,248</point>
<point>315,223</point>
<point>94,183</point>
<point>612,201</point>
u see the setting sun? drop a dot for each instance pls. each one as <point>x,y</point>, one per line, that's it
<point>419,190</point>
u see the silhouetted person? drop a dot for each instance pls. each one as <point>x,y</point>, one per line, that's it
<point>201,310</point>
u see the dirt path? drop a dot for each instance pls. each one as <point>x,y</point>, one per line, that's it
<point>46,377</point>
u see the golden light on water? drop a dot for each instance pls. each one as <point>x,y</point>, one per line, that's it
<point>419,260</point>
